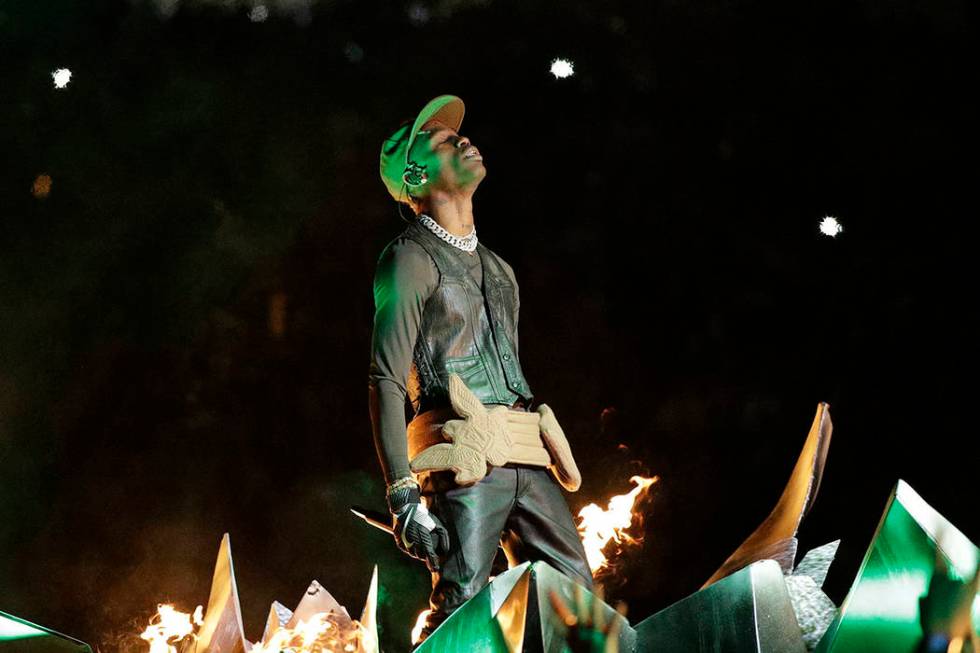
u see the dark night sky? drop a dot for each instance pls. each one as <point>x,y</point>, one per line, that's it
<point>659,207</point>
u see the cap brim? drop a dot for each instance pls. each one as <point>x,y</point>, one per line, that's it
<point>448,109</point>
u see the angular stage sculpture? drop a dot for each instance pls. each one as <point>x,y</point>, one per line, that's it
<point>916,592</point>
<point>750,604</point>
<point>814,610</point>
<point>746,606</point>
<point>746,612</point>
<point>20,636</point>
<point>775,538</point>
<point>223,631</point>
<point>916,588</point>
<point>512,614</point>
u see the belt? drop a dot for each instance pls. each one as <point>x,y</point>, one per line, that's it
<point>522,426</point>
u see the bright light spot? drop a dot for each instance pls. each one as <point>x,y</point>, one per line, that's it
<point>61,77</point>
<point>419,625</point>
<point>830,227</point>
<point>258,14</point>
<point>562,68</point>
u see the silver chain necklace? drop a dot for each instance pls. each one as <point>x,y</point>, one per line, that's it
<point>466,243</point>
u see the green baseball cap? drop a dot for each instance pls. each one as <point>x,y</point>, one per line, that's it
<point>448,109</point>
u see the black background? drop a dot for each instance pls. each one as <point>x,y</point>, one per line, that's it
<point>660,209</point>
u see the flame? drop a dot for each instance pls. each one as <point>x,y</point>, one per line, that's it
<point>419,625</point>
<point>169,627</point>
<point>319,634</point>
<point>597,526</point>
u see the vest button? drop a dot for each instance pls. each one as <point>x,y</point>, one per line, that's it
<point>506,357</point>
<point>517,385</point>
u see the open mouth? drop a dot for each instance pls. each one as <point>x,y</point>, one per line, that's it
<point>472,153</point>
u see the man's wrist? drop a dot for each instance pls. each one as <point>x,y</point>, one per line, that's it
<point>404,482</point>
<point>401,493</point>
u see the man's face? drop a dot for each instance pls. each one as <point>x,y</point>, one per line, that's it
<point>452,162</point>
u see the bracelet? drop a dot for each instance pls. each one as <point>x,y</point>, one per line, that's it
<point>402,483</point>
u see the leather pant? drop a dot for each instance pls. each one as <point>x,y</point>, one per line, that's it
<point>519,507</point>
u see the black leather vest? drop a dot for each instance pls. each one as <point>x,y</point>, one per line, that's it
<point>458,334</point>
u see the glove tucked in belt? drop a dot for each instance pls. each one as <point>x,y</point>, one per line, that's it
<point>496,436</point>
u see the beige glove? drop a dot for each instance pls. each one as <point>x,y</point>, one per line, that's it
<point>564,467</point>
<point>479,438</point>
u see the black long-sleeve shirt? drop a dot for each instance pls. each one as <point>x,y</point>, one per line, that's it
<point>405,278</point>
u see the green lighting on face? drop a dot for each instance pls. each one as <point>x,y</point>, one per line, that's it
<point>435,148</point>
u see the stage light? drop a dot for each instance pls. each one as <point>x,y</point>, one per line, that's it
<point>562,68</point>
<point>61,77</point>
<point>829,226</point>
<point>258,14</point>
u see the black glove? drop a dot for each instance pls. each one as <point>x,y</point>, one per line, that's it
<point>417,532</point>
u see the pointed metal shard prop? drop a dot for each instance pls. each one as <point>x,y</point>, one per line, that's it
<point>369,618</point>
<point>318,600</point>
<point>223,632</point>
<point>279,616</point>
<point>20,636</point>
<point>746,612</point>
<point>814,610</point>
<point>918,581</point>
<point>473,627</point>
<point>513,615</point>
<point>775,538</point>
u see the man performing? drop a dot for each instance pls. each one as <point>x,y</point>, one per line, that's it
<point>445,334</point>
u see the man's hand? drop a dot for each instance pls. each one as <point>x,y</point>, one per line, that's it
<point>417,532</point>
<point>586,629</point>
